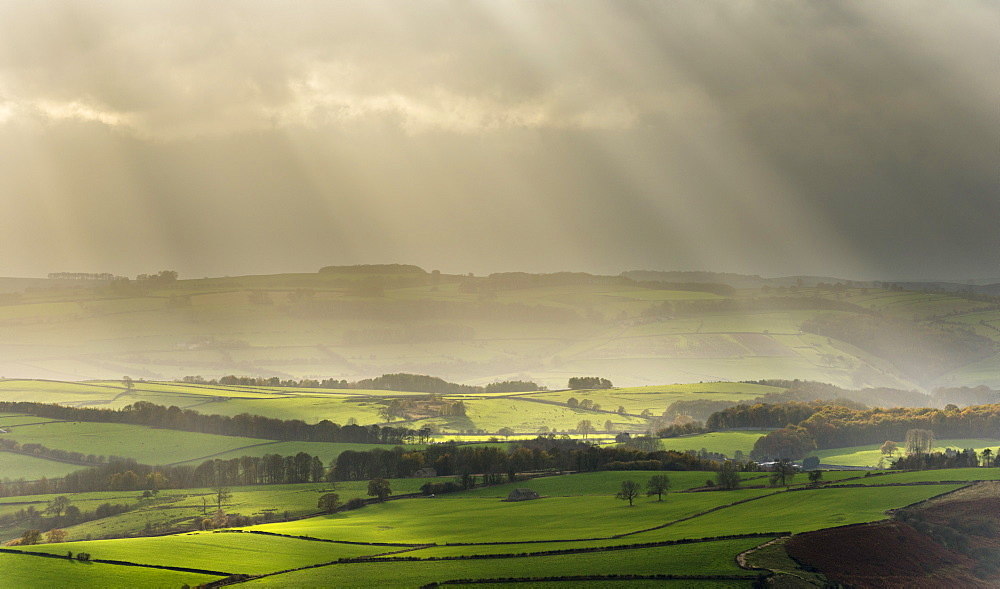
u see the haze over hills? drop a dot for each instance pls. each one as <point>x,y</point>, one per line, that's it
<point>638,328</point>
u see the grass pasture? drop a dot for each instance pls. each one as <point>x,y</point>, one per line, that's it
<point>710,558</point>
<point>226,552</point>
<point>18,466</point>
<point>870,454</point>
<point>576,512</point>
<point>723,442</point>
<point>23,570</point>
<point>145,444</point>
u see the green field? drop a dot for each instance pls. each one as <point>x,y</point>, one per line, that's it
<point>18,466</point>
<point>147,445</point>
<point>576,512</point>
<point>704,558</point>
<point>722,442</point>
<point>869,455</point>
<point>228,553</point>
<point>21,570</point>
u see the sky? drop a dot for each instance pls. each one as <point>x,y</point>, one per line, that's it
<point>850,139</point>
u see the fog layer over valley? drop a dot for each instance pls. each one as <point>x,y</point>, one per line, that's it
<point>357,322</point>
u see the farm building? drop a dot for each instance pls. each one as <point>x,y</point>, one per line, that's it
<point>522,495</point>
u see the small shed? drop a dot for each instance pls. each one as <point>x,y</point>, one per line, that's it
<point>423,473</point>
<point>522,495</point>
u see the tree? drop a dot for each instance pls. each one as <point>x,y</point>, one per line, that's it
<point>506,432</point>
<point>608,426</point>
<point>585,428</point>
<point>379,488</point>
<point>220,519</point>
<point>629,491</point>
<point>222,494</point>
<point>621,410</point>
<point>128,382</point>
<point>54,536</point>
<point>58,505</point>
<point>987,457</point>
<point>889,448</point>
<point>919,441</point>
<point>30,538</point>
<point>728,478</point>
<point>782,472</point>
<point>657,485</point>
<point>815,476</point>
<point>329,503</point>
<point>573,402</point>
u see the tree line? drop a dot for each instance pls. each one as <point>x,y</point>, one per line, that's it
<point>403,382</point>
<point>493,464</point>
<point>125,474</point>
<point>242,425</point>
<point>838,426</point>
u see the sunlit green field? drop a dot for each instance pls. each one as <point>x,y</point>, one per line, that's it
<point>228,553</point>
<point>722,442</point>
<point>703,558</point>
<point>147,445</point>
<point>21,570</point>
<point>577,511</point>
<point>870,454</point>
<point>16,466</point>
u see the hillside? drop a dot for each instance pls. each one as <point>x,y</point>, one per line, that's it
<point>353,323</point>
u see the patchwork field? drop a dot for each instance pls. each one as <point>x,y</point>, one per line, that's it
<point>583,529</point>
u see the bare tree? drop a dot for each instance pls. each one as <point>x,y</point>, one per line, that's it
<point>629,491</point>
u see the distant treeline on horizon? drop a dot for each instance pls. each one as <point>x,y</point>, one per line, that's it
<point>402,382</point>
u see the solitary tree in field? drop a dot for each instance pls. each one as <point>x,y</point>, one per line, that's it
<point>329,503</point>
<point>658,485</point>
<point>379,488</point>
<point>889,448</point>
<point>128,382</point>
<point>629,491</point>
<point>783,472</point>
<point>815,476</point>
<point>506,432</point>
<point>585,428</point>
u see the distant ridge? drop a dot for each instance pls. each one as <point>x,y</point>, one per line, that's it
<point>373,269</point>
<point>736,280</point>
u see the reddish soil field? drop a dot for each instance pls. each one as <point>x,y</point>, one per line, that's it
<point>883,554</point>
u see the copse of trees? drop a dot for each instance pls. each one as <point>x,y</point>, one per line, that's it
<point>589,382</point>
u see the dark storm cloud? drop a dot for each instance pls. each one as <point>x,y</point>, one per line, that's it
<point>858,139</point>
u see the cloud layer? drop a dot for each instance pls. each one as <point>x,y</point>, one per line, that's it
<point>229,137</point>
